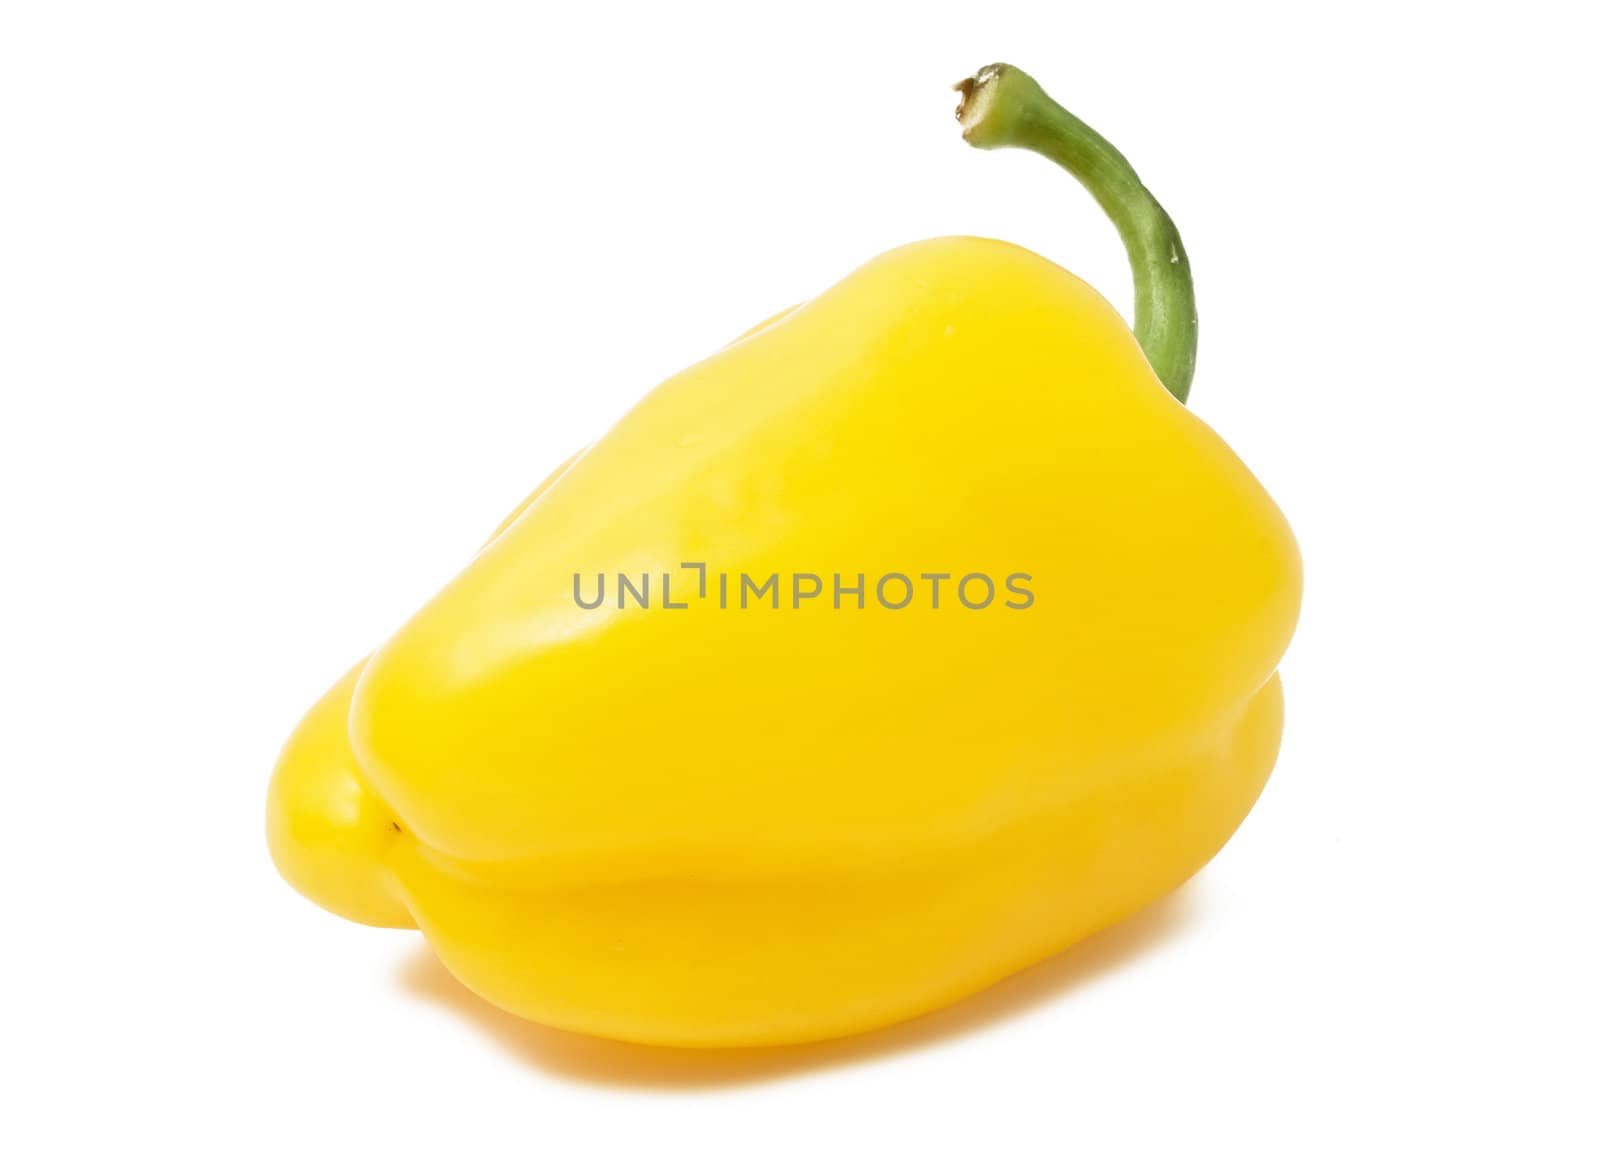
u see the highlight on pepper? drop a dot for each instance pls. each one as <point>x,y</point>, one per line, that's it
<point>709,826</point>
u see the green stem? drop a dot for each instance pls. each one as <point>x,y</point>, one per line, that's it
<point>1003,107</point>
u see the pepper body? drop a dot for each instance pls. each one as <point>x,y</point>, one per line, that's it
<point>762,824</point>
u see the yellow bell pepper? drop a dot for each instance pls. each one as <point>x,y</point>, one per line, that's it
<point>910,638</point>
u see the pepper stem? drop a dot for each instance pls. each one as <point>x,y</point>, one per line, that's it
<point>1001,106</point>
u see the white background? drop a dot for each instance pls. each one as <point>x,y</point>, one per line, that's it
<point>297,299</point>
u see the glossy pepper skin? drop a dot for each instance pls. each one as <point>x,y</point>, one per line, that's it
<point>709,827</point>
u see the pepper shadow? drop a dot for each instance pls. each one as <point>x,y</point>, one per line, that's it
<point>603,1061</point>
